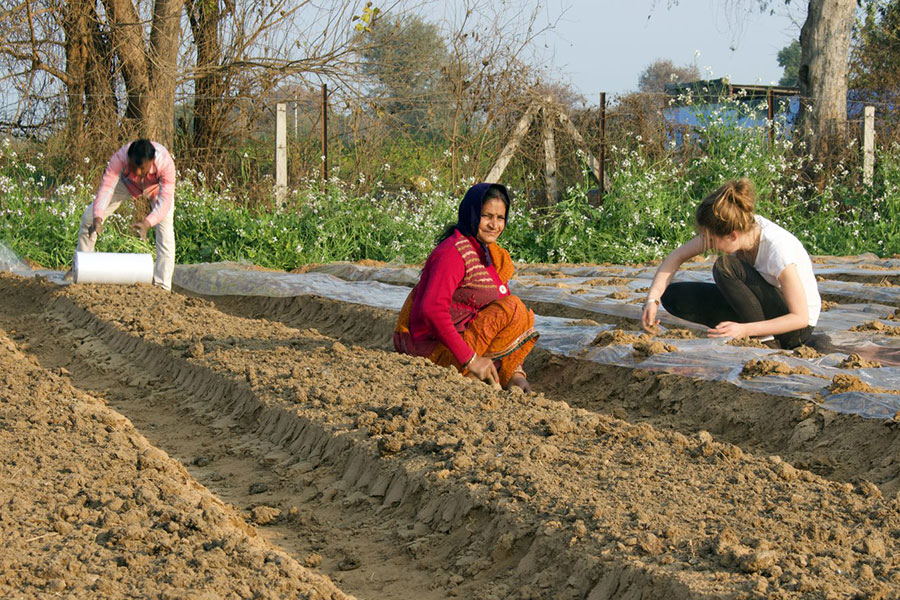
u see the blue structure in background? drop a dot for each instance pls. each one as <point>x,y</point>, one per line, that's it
<point>696,102</point>
<point>706,97</point>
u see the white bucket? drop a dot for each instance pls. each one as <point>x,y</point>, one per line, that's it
<point>112,267</point>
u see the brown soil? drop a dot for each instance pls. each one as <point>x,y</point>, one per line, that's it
<point>855,361</point>
<point>828,305</point>
<point>761,367</point>
<point>620,295</point>
<point>617,337</point>
<point>678,334</point>
<point>611,281</point>
<point>584,323</point>
<point>878,327</point>
<point>746,342</point>
<point>843,383</point>
<point>550,309</point>
<point>840,447</point>
<point>644,348</point>
<point>400,479</point>
<point>806,352</point>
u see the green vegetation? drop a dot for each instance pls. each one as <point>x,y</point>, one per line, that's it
<point>647,212</point>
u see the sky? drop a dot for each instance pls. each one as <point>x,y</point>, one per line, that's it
<point>604,45</point>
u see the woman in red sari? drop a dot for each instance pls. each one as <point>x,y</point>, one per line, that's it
<point>461,312</point>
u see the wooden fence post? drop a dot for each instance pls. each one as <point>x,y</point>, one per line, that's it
<point>280,153</point>
<point>868,145</point>
<point>550,165</point>
<point>601,171</point>
<point>324,135</point>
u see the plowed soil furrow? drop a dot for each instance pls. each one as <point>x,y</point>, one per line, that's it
<point>490,494</point>
<point>839,447</point>
<point>89,508</point>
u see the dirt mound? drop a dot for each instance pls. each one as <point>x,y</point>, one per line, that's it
<point>678,334</point>
<point>805,352</point>
<point>843,383</point>
<point>760,368</point>
<point>746,342</point>
<point>877,327</point>
<point>644,348</point>
<point>833,445</point>
<point>583,323</point>
<point>855,361</point>
<point>611,281</point>
<point>617,337</point>
<point>98,512</point>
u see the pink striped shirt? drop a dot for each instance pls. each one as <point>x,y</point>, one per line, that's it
<point>158,184</point>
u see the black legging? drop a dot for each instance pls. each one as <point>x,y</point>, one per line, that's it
<point>739,294</point>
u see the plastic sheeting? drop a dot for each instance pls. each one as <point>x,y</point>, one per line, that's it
<point>9,261</point>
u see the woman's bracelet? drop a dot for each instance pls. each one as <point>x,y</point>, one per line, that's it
<point>649,300</point>
<point>469,362</point>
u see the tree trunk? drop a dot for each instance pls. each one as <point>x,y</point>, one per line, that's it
<point>210,107</point>
<point>89,78</point>
<point>165,36</point>
<point>149,73</point>
<point>824,70</point>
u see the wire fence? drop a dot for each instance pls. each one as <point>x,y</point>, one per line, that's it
<point>385,143</point>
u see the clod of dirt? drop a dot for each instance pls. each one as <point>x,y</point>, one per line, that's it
<point>616,337</point>
<point>195,350</point>
<point>644,348</point>
<point>828,305</point>
<point>848,383</point>
<point>879,327</point>
<point>612,281</point>
<point>349,563</point>
<point>843,383</point>
<point>583,323</point>
<point>760,367</point>
<point>313,560</point>
<point>806,352</point>
<point>746,342</point>
<point>894,316</point>
<point>678,334</point>
<point>620,295</point>
<point>258,488</point>
<point>263,515</point>
<point>855,361</point>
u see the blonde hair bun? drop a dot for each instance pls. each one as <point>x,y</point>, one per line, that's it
<point>729,208</point>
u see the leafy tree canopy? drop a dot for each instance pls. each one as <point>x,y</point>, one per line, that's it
<point>654,78</point>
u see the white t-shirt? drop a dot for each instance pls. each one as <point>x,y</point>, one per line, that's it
<point>778,248</point>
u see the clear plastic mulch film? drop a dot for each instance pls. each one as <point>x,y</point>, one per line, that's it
<point>605,298</point>
<point>9,261</point>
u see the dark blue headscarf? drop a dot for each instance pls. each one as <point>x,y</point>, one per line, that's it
<point>469,217</point>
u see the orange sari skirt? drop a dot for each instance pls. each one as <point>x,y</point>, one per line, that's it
<point>503,331</point>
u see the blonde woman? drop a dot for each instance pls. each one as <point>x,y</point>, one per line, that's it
<point>764,283</point>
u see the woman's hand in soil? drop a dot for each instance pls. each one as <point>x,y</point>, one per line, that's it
<point>518,380</point>
<point>728,329</point>
<point>648,318</point>
<point>484,369</point>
